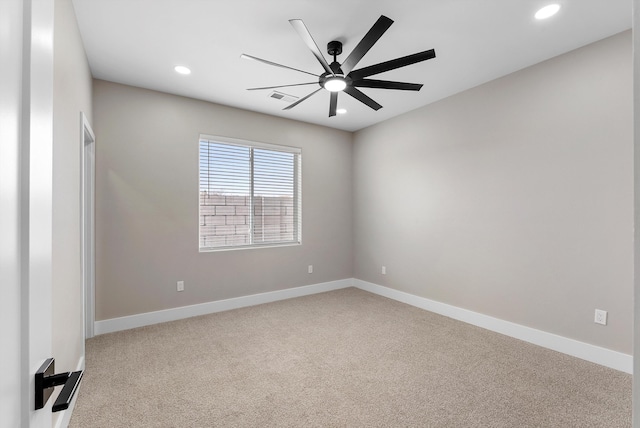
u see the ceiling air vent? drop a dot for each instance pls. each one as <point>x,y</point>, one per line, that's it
<point>282,96</point>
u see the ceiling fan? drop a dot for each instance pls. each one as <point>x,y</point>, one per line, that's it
<point>342,77</point>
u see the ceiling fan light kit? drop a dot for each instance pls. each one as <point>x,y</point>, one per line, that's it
<point>342,77</point>
<point>335,83</point>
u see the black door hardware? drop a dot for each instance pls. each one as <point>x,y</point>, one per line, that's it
<point>46,380</point>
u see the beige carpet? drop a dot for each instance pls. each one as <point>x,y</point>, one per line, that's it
<point>345,358</point>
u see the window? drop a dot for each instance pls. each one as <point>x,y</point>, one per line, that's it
<point>249,194</point>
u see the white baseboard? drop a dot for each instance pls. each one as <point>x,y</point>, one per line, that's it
<point>595,354</point>
<point>65,416</point>
<point>149,318</point>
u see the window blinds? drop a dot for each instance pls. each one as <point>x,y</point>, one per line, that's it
<point>249,194</point>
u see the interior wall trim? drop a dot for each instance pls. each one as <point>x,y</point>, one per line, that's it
<point>595,354</point>
<point>149,318</point>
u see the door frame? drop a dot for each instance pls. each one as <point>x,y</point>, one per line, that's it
<point>87,216</point>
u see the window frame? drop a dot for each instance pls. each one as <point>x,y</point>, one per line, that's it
<point>297,192</point>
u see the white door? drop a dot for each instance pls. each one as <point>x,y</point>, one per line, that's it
<point>26,79</point>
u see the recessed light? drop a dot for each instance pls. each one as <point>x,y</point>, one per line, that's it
<point>547,11</point>
<point>181,69</point>
<point>341,111</point>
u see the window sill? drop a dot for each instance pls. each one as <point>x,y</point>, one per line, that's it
<point>248,247</point>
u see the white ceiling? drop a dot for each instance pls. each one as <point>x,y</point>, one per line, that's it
<point>138,42</point>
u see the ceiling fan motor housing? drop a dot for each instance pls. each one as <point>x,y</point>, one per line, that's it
<point>337,74</point>
<point>334,48</point>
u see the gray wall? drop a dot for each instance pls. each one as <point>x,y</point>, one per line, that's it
<point>513,199</point>
<point>147,204</point>
<point>72,94</point>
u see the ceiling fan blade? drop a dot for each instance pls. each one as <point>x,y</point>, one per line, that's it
<point>302,30</point>
<point>282,86</point>
<point>393,64</point>
<point>360,96</point>
<point>386,84</point>
<point>245,56</point>
<point>290,106</point>
<point>333,104</point>
<point>382,24</point>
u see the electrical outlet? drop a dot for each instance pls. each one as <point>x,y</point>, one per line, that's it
<point>310,269</point>
<point>601,317</point>
<point>384,270</point>
<point>180,286</point>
